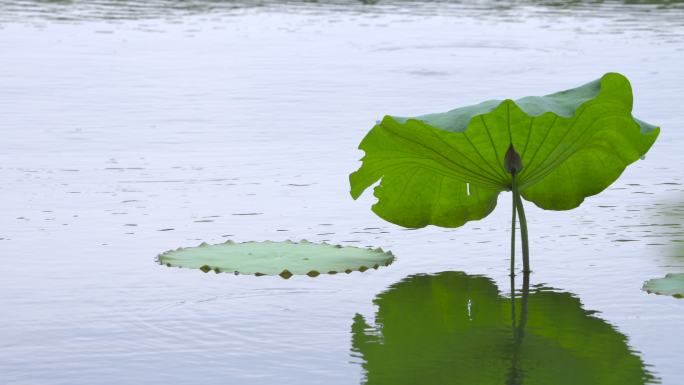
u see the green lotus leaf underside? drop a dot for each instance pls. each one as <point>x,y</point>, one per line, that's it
<point>671,284</point>
<point>277,258</point>
<point>446,169</point>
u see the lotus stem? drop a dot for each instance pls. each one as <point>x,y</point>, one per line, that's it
<point>513,164</point>
<point>523,227</point>
<point>513,234</point>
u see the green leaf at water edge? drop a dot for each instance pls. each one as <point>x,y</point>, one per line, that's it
<point>277,258</point>
<point>446,169</point>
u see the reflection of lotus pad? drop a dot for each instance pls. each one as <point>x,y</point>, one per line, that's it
<point>452,328</point>
<point>281,258</point>
<point>672,284</point>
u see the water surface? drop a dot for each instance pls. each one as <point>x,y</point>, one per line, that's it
<point>130,128</point>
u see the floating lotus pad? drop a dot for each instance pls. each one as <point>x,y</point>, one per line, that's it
<point>671,284</point>
<point>277,258</point>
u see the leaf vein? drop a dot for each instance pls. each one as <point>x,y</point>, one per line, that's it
<point>496,153</point>
<point>468,171</point>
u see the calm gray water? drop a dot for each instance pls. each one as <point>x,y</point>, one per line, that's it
<point>129,128</point>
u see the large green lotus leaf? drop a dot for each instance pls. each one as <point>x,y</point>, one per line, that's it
<point>671,284</point>
<point>451,328</point>
<point>277,258</point>
<point>447,169</point>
